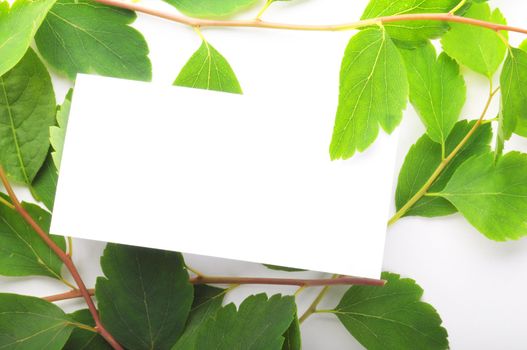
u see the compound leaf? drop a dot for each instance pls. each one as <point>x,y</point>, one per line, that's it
<point>208,69</point>
<point>425,156</point>
<point>145,298</point>
<point>410,33</point>
<point>492,194</point>
<point>27,110</point>
<point>480,49</point>
<point>391,317</point>
<point>83,36</point>
<point>258,324</point>
<point>373,92</point>
<point>211,8</point>
<point>22,251</point>
<point>437,90</point>
<point>28,323</point>
<point>18,26</point>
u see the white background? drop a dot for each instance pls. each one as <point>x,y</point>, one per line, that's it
<point>477,285</point>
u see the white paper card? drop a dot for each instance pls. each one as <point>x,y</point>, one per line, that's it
<point>221,175</point>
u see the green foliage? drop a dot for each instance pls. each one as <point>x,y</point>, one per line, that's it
<point>82,339</point>
<point>513,81</point>
<point>208,69</point>
<point>27,110</point>
<point>145,299</point>
<point>22,251</point>
<point>18,25</point>
<point>45,183</point>
<point>28,323</point>
<point>492,195</point>
<point>83,36</point>
<point>410,33</point>
<point>211,8</point>
<point>207,301</point>
<point>57,133</point>
<point>391,317</point>
<point>373,92</point>
<point>437,90</point>
<point>293,336</point>
<point>282,268</point>
<point>259,323</point>
<point>425,156</point>
<point>480,49</point>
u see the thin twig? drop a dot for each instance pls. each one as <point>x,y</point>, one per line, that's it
<point>236,281</point>
<point>257,23</point>
<point>65,259</point>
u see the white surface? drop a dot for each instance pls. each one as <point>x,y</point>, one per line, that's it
<point>222,175</point>
<point>477,286</point>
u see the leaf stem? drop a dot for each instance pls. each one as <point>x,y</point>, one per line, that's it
<point>64,257</point>
<point>424,189</point>
<point>6,203</point>
<point>257,23</point>
<point>313,307</point>
<point>457,7</point>
<point>264,8</point>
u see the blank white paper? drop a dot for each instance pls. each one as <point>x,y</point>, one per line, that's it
<point>223,175</point>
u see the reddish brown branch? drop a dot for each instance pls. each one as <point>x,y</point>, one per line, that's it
<point>257,23</point>
<point>64,257</point>
<point>249,280</point>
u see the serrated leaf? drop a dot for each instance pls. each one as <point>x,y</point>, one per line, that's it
<point>513,81</point>
<point>293,337</point>
<point>282,268</point>
<point>492,195</point>
<point>58,133</point>
<point>29,323</point>
<point>410,33</point>
<point>82,339</point>
<point>391,317</point>
<point>83,36</point>
<point>480,49</point>
<point>18,26</point>
<point>22,251</point>
<point>45,183</point>
<point>211,8</point>
<point>437,90</point>
<point>373,92</point>
<point>27,110</point>
<point>208,69</point>
<point>258,324</point>
<point>207,301</point>
<point>145,298</point>
<point>425,156</point>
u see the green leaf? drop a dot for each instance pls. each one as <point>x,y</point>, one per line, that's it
<point>18,26</point>
<point>410,33</point>
<point>208,69</point>
<point>22,251</point>
<point>45,184</point>
<point>82,36</point>
<point>211,8</point>
<point>58,133</point>
<point>293,337</point>
<point>437,90</point>
<point>480,49</point>
<point>29,323</point>
<point>258,324</point>
<point>282,268</point>
<point>513,81</point>
<point>391,317</point>
<point>207,301</point>
<point>425,156</point>
<point>82,339</point>
<point>373,92</point>
<point>27,110</point>
<point>492,195</point>
<point>145,299</point>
